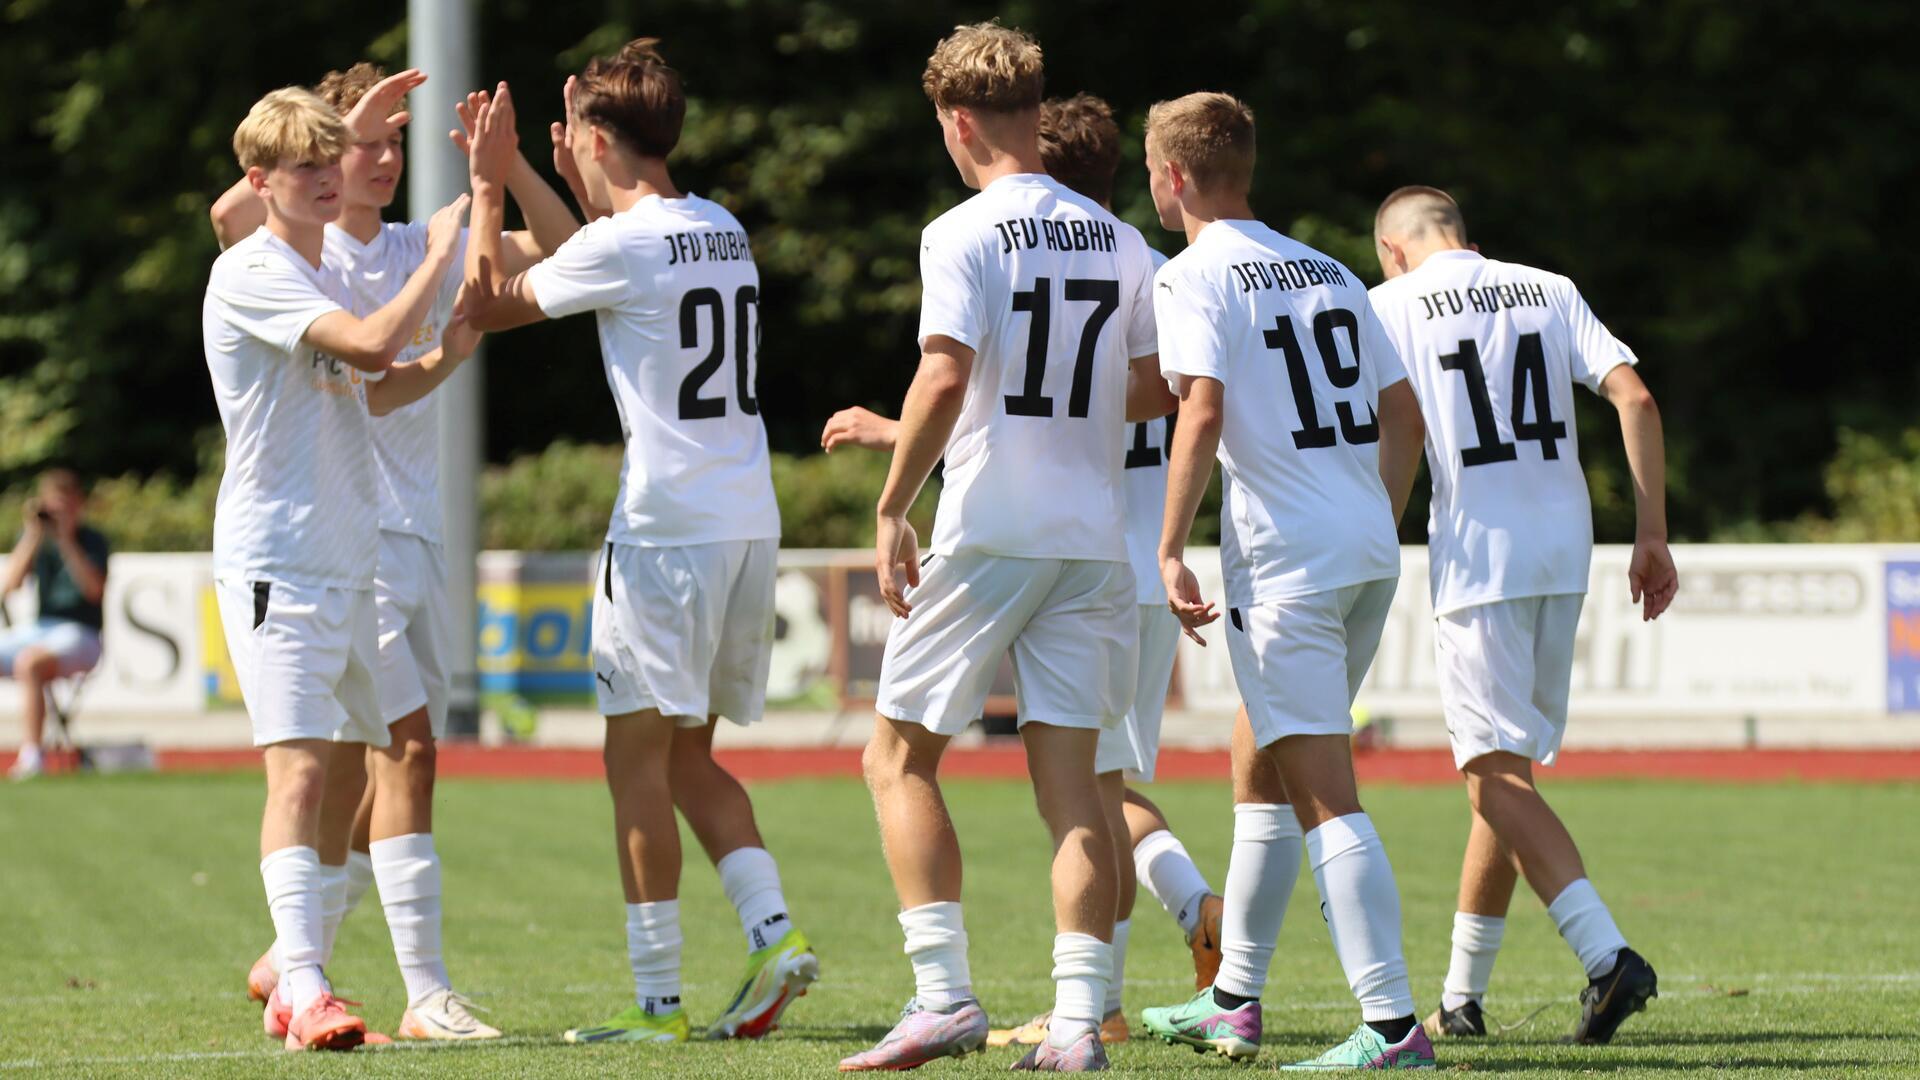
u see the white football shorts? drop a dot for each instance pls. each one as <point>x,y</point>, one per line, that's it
<point>1070,625</point>
<point>1505,668</point>
<point>1299,662</point>
<point>1134,743</point>
<point>686,630</point>
<point>305,657</point>
<point>410,595</point>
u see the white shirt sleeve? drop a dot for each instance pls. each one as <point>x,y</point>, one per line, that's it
<point>586,274</point>
<point>1593,351</point>
<point>1142,338</point>
<point>1189,317</point>
<point>269,298</point>
<point>951,304</point>
<point>1380,351</point>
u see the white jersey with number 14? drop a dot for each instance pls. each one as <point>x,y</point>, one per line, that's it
<point>1494,350</point>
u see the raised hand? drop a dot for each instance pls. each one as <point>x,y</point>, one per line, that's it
<point>495,142</point>
<point>1183,597</point>
<point>858,427</point>
<point>377,115</point>
<point>443,228</point>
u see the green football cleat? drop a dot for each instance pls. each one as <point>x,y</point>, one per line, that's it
<point>776,975</point>
<point>636,1024</point>
<point>1203,1025</point>
<point>1368,1049</point>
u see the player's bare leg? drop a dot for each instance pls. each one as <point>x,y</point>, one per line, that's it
<point>780,961</point>
<point>638,757</point>
<point>1488,875</point>
<point>290,838</point>
<point>1085,887</point>
<point>1619,980</point>
<point>402,856</point>
<point>901,764</point>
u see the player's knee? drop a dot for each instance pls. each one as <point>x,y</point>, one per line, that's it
<point>299,789</point>
<point>35,665</point>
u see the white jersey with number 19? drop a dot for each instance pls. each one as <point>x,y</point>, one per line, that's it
<point>674,287</point>
<point>1290,335</point>
<point>1051,292</point>
<point>1493,350</point>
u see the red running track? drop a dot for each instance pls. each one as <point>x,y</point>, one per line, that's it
<point>1009,762</point>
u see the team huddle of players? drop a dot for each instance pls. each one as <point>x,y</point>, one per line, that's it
<point>1056,349</point>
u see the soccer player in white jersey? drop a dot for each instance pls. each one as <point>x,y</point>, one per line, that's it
<point>295,528</point>
<point>387,835</point>
<point>1036,339</point>
<point>1080,147</point>
<point>1495,350</point>
<point>683,598</point>
<point>1283,369</point>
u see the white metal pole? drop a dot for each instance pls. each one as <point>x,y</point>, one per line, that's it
<point>441,42</point>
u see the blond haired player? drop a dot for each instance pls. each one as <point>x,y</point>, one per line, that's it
<point>295,526</point>
<point>1495,350</point>
<point>1283,370</point>
<point>683,603</point>
<point>389,839</point>
<point>1080,147</point>
<point>1036,339</point>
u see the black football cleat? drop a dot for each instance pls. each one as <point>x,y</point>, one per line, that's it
<point>1608,1000</point>
<point>1464,1022</point>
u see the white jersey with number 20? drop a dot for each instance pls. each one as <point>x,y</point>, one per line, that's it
<point>674,287</point>
<point>1494,349</point>
<point>1050,291</point>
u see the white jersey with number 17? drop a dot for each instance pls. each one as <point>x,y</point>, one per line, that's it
<point>674,287</point>
<point>1051,292</point>
<point>1494,350</point>
<point>1289,334</point>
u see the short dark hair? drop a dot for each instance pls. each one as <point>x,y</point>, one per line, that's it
<point>635,95</point>
<point>1080,144</point>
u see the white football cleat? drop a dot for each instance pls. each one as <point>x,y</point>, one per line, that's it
<point>443,1015</point>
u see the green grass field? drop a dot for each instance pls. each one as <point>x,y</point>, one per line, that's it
<point>1783,919</point>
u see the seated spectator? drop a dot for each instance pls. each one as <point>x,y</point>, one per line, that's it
<point>68,561</point>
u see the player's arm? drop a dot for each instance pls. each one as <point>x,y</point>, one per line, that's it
<point>859,427</point>
<point>549,222</point>
<point>1403,436</point>
<point>1148,396</point>
<point>237,213</point>
<point>1650,574</point>
<point>409,382</point>
<point>1196,439</point>
<point>370,344</point>
<point>496,299</point>
<point>91,576</point>
<point>20,560</point>
<point>933,405</point>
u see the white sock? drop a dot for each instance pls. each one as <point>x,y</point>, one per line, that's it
<point>29,755</point>
<point>333,908</point>
<point>1260,879</point>
<point>937,946</point>
<point>653,950</point>
<point>292,877</point>
<point>1476,945</point>
<point>359,878</point>
<point>1588,927</point>
<point>751,880</point>
<point>1168,872</point>
<point>1082,966</point>
<point>1362,906</point>
<point>408,869</point>
<point>1117,986</point>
